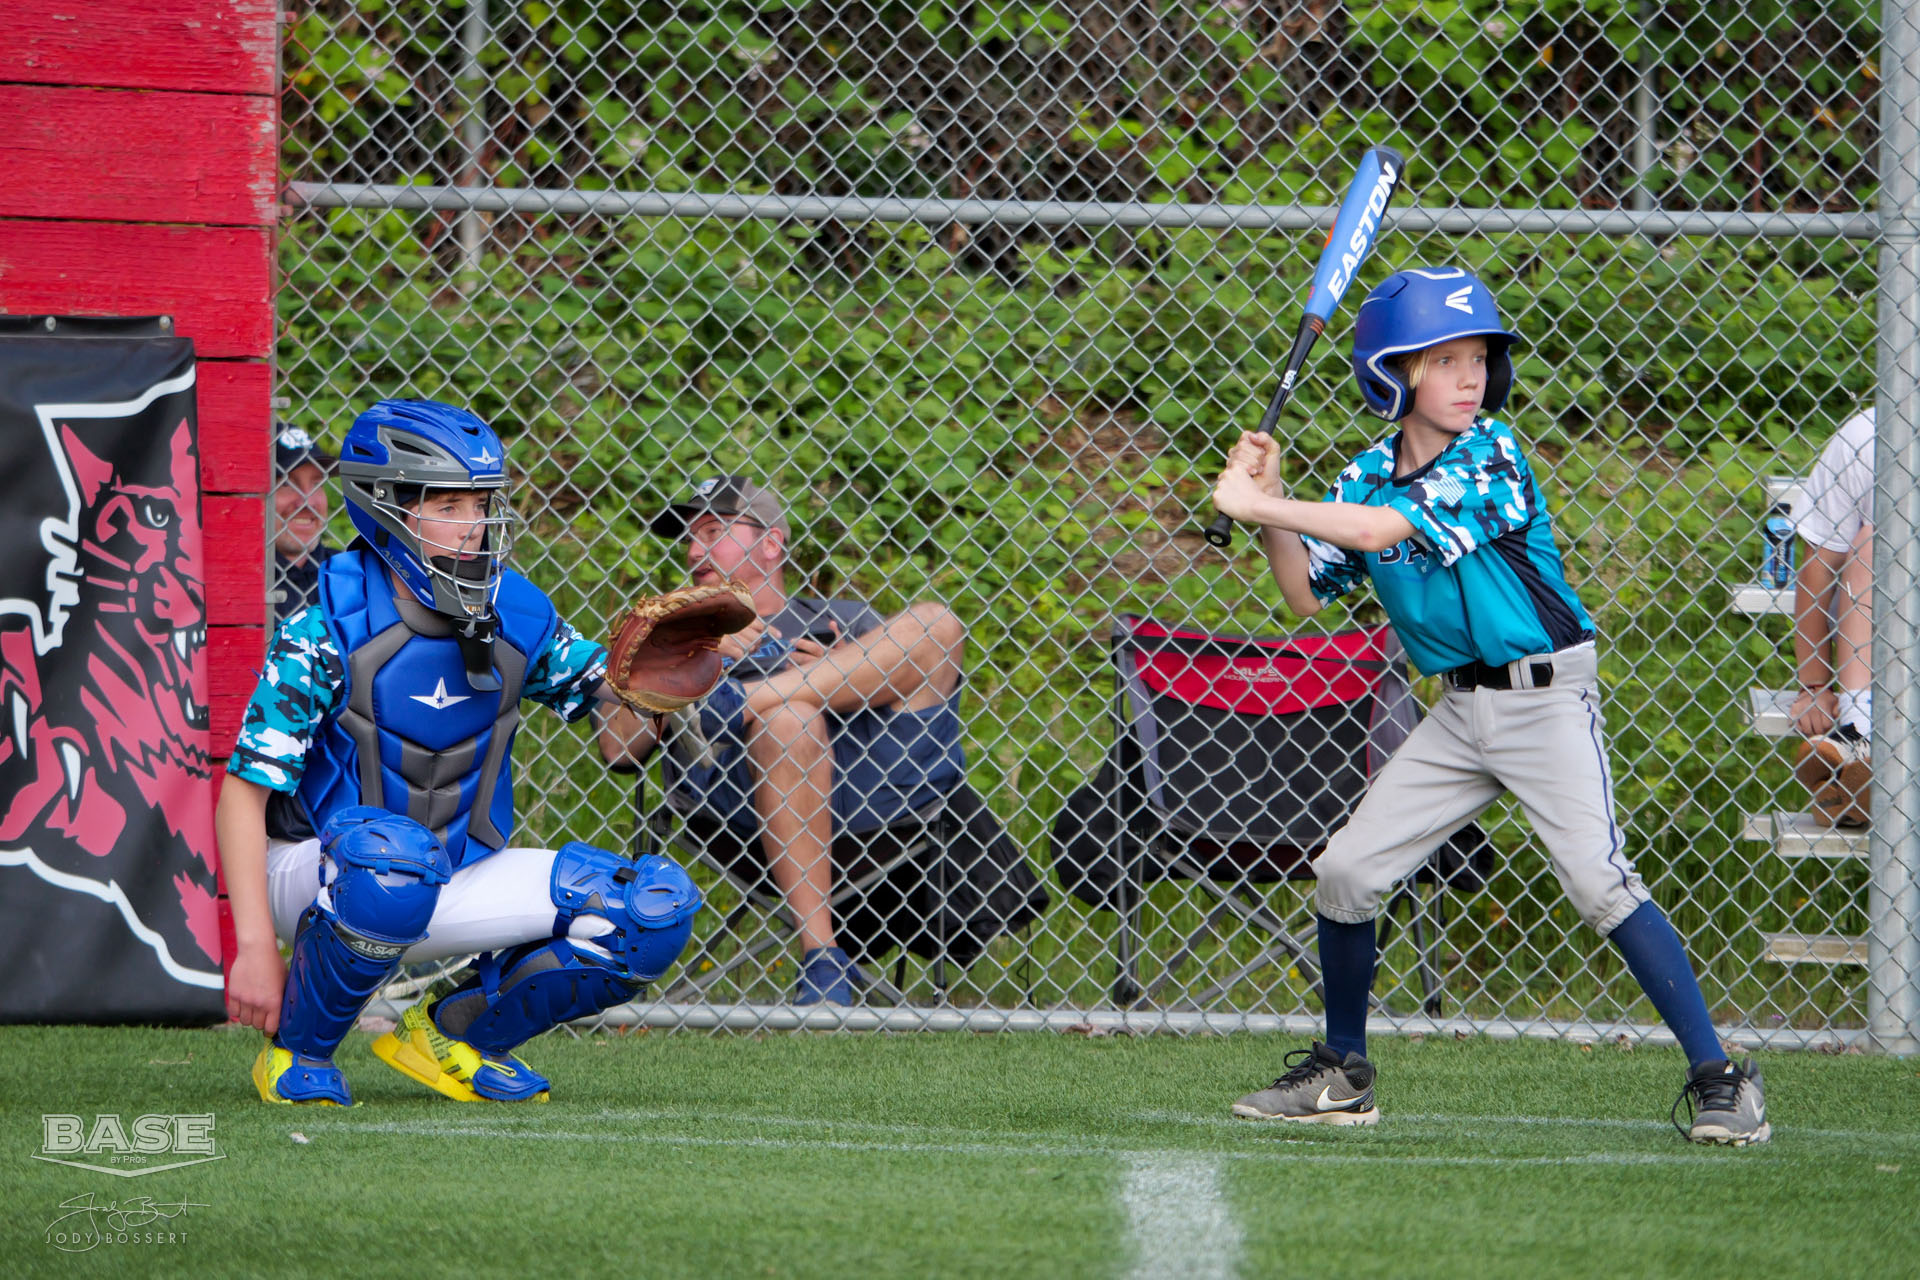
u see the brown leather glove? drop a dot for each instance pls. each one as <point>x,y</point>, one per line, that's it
<point>662,655</point>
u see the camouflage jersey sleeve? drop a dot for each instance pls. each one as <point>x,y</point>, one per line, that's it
<point>301,683</point>
<point>564,676</point>
<point>1478,491</point>
<point>1333,571</point>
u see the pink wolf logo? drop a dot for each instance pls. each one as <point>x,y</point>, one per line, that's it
<point>90,745</point>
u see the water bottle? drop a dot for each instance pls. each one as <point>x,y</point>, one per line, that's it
<point>1777,569</point>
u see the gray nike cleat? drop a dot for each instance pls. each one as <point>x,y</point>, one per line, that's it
<point>1319,1088</point>
<point>1728,1105</point>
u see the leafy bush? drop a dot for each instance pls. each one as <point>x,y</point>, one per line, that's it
<point>1025,425</point>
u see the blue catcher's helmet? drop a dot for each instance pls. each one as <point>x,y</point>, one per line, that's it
<point>1418,308</point>
<point>400,447</point>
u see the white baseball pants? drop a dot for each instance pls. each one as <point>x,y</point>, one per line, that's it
<point>1546,745</point>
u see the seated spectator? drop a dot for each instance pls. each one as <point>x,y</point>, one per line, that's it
<point>1832,627</point>
<point>832,718</point>
<point>300,470</point>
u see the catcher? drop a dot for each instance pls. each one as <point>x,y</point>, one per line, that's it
<point>368,810</point>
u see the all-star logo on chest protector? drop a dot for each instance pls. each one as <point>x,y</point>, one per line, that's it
<point>440,699</point>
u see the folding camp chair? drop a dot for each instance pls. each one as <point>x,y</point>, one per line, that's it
<point>862,864</point>
<point>939,882</point>
<point>1235,759</point>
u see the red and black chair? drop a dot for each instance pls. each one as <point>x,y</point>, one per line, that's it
<point>1234,759</point>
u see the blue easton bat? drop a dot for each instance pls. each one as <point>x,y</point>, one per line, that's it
<point>1361,212</point>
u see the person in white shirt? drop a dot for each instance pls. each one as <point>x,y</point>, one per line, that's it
<point>1833,625</point>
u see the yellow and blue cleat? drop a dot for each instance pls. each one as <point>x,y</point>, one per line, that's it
<point>282,1077</point>
<point>419,1050</point>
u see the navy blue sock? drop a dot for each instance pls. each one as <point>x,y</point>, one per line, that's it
<point>1347,954</point>
<point>1653,951</point>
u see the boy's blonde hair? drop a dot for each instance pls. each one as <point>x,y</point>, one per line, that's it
<point>1412,367</point>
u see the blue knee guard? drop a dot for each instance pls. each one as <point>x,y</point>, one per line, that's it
<point>648,907</point>
<point>387,876</point>
<point>648,904</point>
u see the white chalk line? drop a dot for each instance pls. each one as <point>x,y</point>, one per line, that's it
<point>1390,1120</point>
<point>1269,1153</point>
<point>1178,1219</point>
<point>1475,1123</point>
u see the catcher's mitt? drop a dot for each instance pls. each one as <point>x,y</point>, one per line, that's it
<point>661,656</point>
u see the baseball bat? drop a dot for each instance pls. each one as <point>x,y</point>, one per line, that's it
<point>1355,228</point>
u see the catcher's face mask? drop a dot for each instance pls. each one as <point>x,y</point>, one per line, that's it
<point>425,486</point>
<point>462,538</point>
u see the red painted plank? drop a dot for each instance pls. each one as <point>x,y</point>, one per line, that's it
<point>219,46</point>
<point>225,713</point>
<point>236,542</point>
<point>234,655</point>
<point>236,421</point>
<point>130,156</point>
<point>214,281</point>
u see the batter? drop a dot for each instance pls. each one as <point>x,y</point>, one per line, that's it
<point>1444,518</point>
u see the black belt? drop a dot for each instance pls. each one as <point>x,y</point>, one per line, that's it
<point>1478,675</point>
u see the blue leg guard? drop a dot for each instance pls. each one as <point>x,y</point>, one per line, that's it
<point>526,990</point>
<point>646,908</point>
<point>388,871</point>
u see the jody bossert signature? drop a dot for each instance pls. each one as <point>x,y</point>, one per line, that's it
<point>89,1222</point>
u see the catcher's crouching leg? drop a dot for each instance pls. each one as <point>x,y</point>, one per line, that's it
<point>622,923</point>
<point>385,873</point>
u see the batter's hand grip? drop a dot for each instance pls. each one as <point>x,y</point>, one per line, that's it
<point>1220,532</point>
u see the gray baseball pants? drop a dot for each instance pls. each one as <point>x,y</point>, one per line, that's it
<point>1546,745</point>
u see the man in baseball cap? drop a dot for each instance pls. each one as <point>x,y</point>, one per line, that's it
<point>724,496</point>
<point>833,719</point>
<point>300,470</point>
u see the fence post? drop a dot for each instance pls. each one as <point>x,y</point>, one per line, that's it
<point>1893,890</point>
<point>1645,145</point>
<point>473,135</point>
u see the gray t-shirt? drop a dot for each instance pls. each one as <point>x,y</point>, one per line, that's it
<point>806,617</point>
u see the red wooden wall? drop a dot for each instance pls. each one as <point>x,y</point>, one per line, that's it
<point>138,176</point>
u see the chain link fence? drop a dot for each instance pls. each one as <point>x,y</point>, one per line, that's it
<point>983,291</point>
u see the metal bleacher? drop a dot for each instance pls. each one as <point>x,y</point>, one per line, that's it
<point>1795,835</point>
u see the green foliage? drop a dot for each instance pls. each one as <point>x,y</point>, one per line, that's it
<point>1026,431</point>
<point>1495,101</point>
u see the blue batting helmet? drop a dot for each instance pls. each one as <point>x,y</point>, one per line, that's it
<point>397,449</point>
<point>1418,308</point>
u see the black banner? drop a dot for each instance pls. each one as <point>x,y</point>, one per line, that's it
<point>107,855</point>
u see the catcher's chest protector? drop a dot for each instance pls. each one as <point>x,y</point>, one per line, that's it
<point>410,734</point>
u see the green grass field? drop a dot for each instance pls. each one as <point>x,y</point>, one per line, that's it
<point>972,1155</point>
